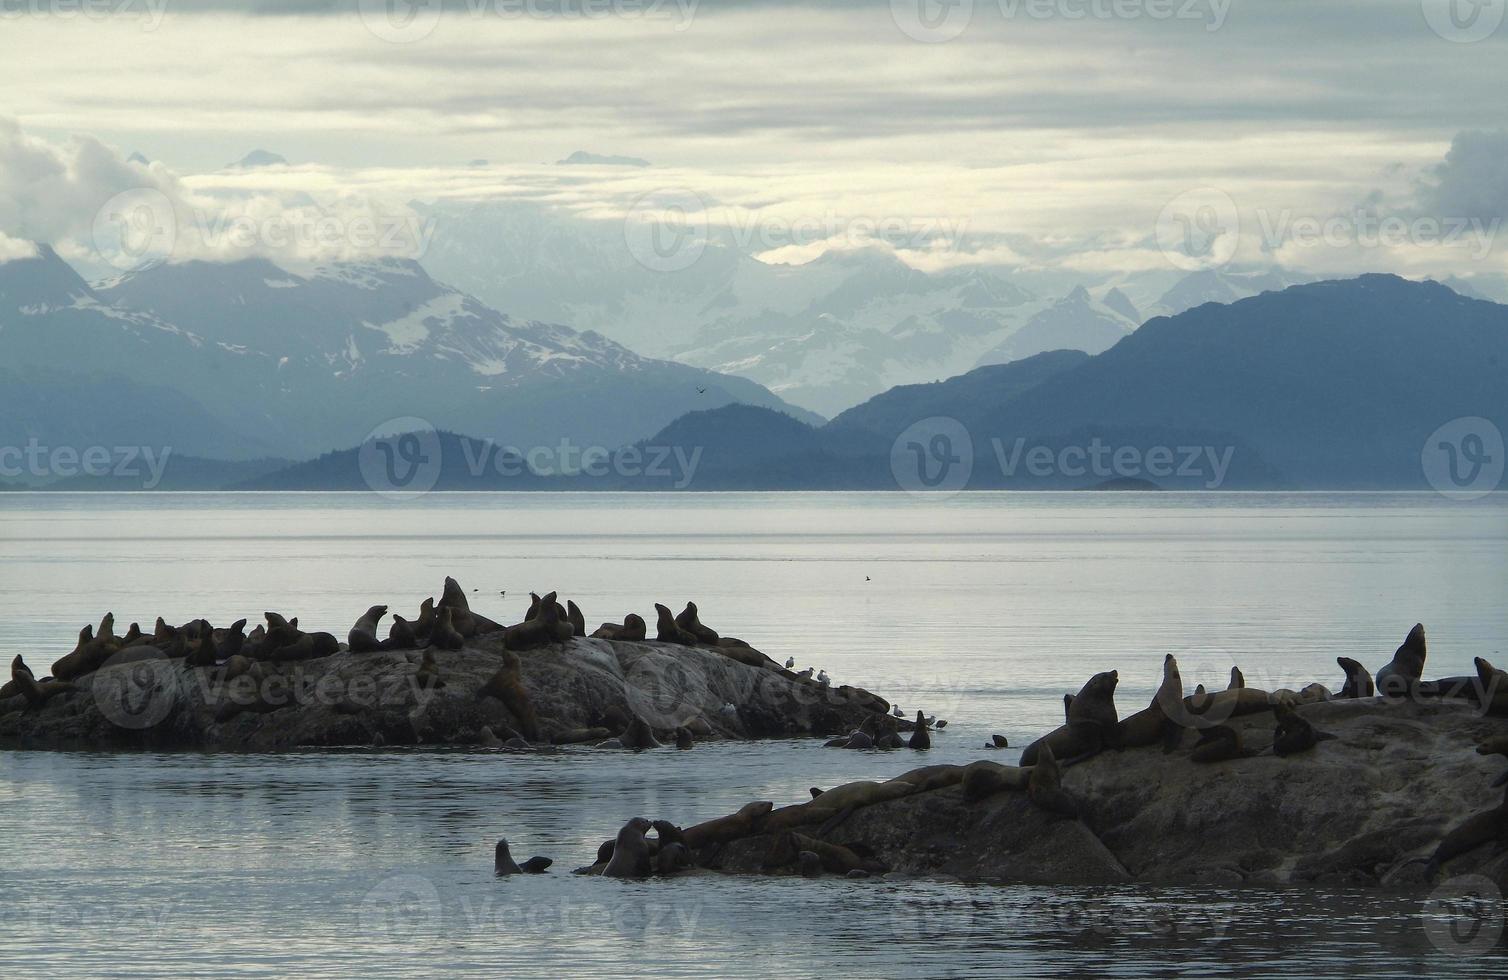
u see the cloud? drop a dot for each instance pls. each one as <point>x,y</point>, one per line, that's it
<point>1472,180</point>
<point>12,249</point>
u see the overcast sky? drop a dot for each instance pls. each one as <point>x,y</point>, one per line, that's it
<point>1042,128</point>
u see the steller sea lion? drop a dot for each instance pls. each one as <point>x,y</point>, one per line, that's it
<point>463,619</point>
<point>503,863</point>
<point>203,652</point>
<point>1044,787</point>
<point>36,693</point>
<point>1402,674</point>
<point>920,738</point>
<point>1237,680</point>
<point>12,688</point>
<point>666,630</point>
<point>232,641</point>
<point>982,779</point>
<point>133,636</point>
<point>363,636</point>
<point>630,851</point>
<point>1486,827</point>
<point>638,735</point>
<point>723,829</point>
<point>428,675</point>
<point>1358,679</point>
<point>445,635</point>
<point>575,617</point>
<point>1151,724</point>
<point>1292,733</point>
<point>88,655</point>
<point>426,620</point>
<point>1096,702</point>
<point>1074,741</point>
<point>1219,744</point>
<point>533,606</point>
<point>401,635</point>
<point>545,628</point>
<point>632,630</point>
<point>689,621</point>
<point>671,858</point>
<point>1492,687</point>
<point>1067,708</point>
<point>508,687</point>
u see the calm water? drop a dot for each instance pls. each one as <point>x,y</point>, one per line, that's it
<point>983,609</point>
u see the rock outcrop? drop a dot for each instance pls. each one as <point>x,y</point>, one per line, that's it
<point>582,690</point>
<point>1367,807</point>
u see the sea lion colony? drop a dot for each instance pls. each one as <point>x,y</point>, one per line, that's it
<point>793,839</point>
<point>440,627</point>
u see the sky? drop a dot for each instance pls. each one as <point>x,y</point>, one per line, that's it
<point>1095,135</point>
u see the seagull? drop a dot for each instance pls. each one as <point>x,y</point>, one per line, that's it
<point>931,720</point>
<point>790,663</point>
<point>866,578</point>
<point>807,673</point>
<point>898,712</point>
<point>701,391</point>
<point>730,709</point>
<point>822,678</point>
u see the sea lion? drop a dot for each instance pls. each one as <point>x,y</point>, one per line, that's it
<point>203,652</point>
<point>1237,679</point>
<point>533,606</point>
<point>671,858</point>
<point>577,736</point>
<point>463,619</point>
<point>503,864</point>
<point>88,655</point>
<point>920,738</point>
<point>1492,687</point>
<point>274,621</point>
<point>133,637</point>
<point>1292,733</point>
<point>575,617</point>
<point>998,742</point>
<point>666,630</point>
<point>401,635</point>
<point>1096,702</point>
<point>809,864</point>
<point>308,646</point>
<point>1074,741</point>
<point>363,636</point>
<point>630,851</point>
<point>859,740</point>
<point>1358,679</point>
<point>928,778</point>
<point>544,628</point>
<point>36,693</point>
<point>1044,787</point>
<point>488,739</point>
<point>688,620</point>
<point>893,740</point>
<point>508,687</point>
<point>1219,744</point>
<point>1151,724</point>
<point>426,620</point>
<point>1402,674</point>
<point>683,739</point>
<point>106,631</point>
<point>445,635</point>
<point>11,688</point>
<point>232,641</point>
<point>632,629</point>
<point>723,829</point>
<point>982,779</point>
<point>1481,828</point>
<point>1067,708</point>
<point>638,735</point>
<point>428,675</point>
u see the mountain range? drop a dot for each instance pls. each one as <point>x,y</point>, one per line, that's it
<point>245,360</point>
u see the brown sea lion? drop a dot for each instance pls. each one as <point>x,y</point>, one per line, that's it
<point>921,739</point>
<point>1401,676</point>
<point>363,636</point>
<point>1489,826</point>
<point>1067,708</point>
<point>88,655</point>
<point>545,628</point>
<point>1074,741</point>
<point>232,641</point>
<point>508,687</point>
<point>575,617</point>
<point>666,630</point>
<point>426,620</point>
<point>631,858</point>
<point>1492,687</point>
<point>1151,725</point>
<point>428,675</point>
<point>1292,733</point>
<point>1096,702</point>
<point>1237,680</point>
<point>723,829</point>
<point>983,779</point>
<point>638,735</point>
<point>445,635</point>
<point>1358,679</point>
<point>202,651</point>
<point>465,621</point>
<point>533,606</point>
<point>1219,744</point>
<point>133,637</point>
<point>503,863</point>
<point>631,630</point>
<point>401,635</point>
<point>36,693</point>
<point>1044,787</point>
<point>689,621</point>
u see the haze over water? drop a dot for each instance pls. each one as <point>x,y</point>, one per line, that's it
<point>983,609</point>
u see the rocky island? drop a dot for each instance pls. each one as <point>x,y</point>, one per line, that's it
<point>450,676</point>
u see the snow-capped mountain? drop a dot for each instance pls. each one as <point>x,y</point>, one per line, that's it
<point>1076,322</point>
<point>301,363</point>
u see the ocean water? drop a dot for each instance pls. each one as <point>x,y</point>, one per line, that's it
<point>983,609</point>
